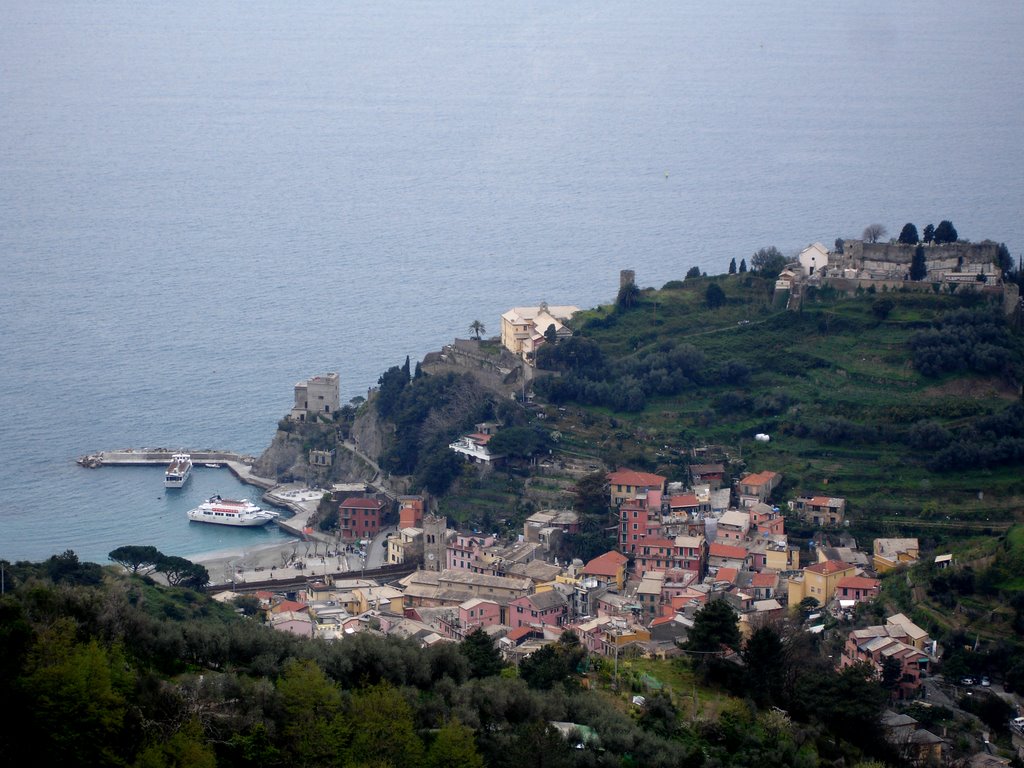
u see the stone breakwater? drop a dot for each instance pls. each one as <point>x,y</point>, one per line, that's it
<point>298,499</point>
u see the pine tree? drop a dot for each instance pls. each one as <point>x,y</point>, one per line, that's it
<point>732,266</point>
<point>743,266</point>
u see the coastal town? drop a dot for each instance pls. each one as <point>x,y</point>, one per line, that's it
<point>396,567</point>
<point>372,555</point>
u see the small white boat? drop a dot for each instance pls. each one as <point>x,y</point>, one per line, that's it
<point>178,470</point>
<point>231,512</point>
<point>212,466</point>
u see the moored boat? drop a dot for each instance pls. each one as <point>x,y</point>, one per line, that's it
<point>178,470</point>
<point>231,512</point>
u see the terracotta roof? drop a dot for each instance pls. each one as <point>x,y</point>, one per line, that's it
<point>607,564</point>
<point>764,580</point>
<point>663,620</point>
<point>650,541</point>
<point>727,574</point>
<point>726,550</point>
<point>683,500</point>
<point>759,479</point>
<point>288,605</point>
<point>358,503</point>
<point>829,567</point>
<point>631,477</point>
<point>519,633</point>
<point>859,582</point>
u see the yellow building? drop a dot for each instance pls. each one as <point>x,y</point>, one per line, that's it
<point>819,581</point>
<point>782,558</point>
<point>892,553</point>
<point>522,328</point>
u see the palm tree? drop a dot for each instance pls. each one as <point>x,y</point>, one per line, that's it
<point>477,328</point>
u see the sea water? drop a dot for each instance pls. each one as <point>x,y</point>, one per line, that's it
<point>203,203</point>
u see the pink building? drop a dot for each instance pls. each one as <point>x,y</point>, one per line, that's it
<point>462,550</point>
<point>478,613</point>
<point>767,520</point>
<point>858,588</point>
<point>549,608</point>
<point>633,523</point>
<point>683,553</point>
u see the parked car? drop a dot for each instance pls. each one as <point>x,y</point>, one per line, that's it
<point>966,681</point>
<point>985,682</point>
<point>1018,723</point>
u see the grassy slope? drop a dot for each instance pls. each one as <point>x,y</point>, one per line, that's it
<point>833,358</point>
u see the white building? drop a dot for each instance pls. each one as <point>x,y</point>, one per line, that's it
<point>813,259</point>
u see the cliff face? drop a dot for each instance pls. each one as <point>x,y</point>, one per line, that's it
<point>286,459</point>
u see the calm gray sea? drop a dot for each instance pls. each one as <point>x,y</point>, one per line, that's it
<point>201,203</point>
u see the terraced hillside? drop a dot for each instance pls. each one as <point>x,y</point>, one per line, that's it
<point>908,404</point>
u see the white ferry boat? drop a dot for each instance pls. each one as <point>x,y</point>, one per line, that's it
<point>230,512</point>
<point>178,470</point>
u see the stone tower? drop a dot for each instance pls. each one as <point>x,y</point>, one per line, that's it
<point>626,276</point>
<point>435,541</point>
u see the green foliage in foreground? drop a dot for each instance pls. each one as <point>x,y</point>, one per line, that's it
<point>126,672</point>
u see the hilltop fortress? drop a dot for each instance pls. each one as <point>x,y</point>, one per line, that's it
<point>858,265</point>
<point>957,262</point>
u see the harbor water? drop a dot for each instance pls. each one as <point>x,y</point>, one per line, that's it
<point>201,204</point>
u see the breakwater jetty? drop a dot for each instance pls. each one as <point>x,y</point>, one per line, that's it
<point>298,499</point>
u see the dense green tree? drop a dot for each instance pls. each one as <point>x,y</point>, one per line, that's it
<point>390,387</point>
<point>732,266</point>
<point>714,629</point>
<point>66,568</point>
<point>692,272</point>
<point>77,694</point>
<point>743,266</point>
<point>928,233</point>
<point>454,746</point>
<point>438,469</point>
<point>553,663</point>
<point>185,747</point>
<point>768,261</point>
<point>384,728</point>
<point>908,235</point>
<point>484,657</point>
<point>310,705</point>
<point>764,658</point>
<point>892,671</point>
<point>591,494</point>
<point>550,334</point>
<point>945,232</point>
<point>1004,260</point>
<point>134,558</point>
<point>839,244</point>
<point>918,265</point>
<point>881,308</point>
<point>520,442</point>
<point>714,296</point>
<point>180,572</point>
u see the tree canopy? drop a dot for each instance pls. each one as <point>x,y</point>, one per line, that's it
<point>945,233</point>
<point>908,235</point>
<point>768,261</point>
<point>714,296</point>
